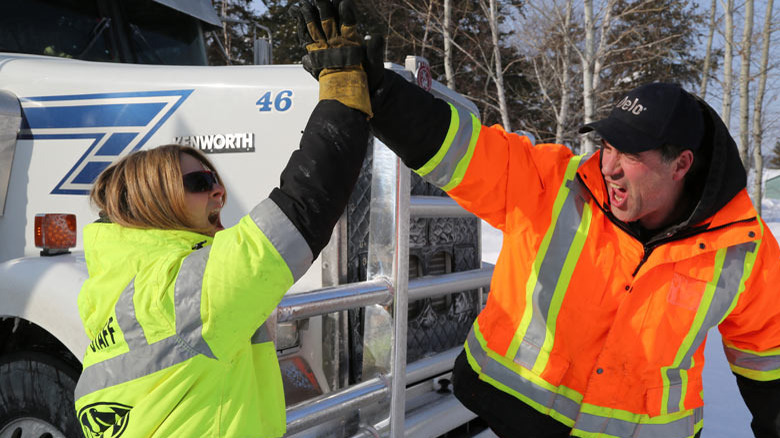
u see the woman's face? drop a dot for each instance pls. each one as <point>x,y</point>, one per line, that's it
<point>203,195</point>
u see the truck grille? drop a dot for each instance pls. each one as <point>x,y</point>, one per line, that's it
<point>437,246</point>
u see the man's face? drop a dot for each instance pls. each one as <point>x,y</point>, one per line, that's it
<point>643,187</point>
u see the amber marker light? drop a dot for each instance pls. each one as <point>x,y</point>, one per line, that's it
<point>55,233</point>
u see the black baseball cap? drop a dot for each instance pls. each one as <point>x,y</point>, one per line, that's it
<point>651,116</point>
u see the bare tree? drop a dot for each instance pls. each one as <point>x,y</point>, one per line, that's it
<point>758,105</point>
<point>427,27</point>
<point>563,112</point>
<point>705,71</point>
<point>552,80</point>
<point>727,59</point>
<point>744,84</point>
<point>588,63</point>
<point>490,10</point>
<point>448,73</point>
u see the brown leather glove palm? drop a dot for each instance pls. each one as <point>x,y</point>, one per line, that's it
<point>334,56</point>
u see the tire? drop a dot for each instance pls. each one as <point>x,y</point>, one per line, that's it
<point>36,397</point>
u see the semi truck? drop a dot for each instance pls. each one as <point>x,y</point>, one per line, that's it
<point>365,340</point>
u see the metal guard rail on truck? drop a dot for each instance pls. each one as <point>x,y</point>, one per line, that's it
<point>388,265</point>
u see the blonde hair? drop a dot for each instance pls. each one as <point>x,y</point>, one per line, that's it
<point>144,189</point>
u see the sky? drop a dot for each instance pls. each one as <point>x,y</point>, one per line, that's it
<point>715,91</point>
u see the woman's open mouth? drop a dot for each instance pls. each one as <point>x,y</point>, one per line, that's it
<point>214,219</point>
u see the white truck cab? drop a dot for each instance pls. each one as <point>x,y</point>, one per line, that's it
<point>83,83</point>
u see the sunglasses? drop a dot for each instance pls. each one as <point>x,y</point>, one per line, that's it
<point>200,181</point>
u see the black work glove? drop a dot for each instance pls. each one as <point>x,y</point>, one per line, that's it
<point>374,61</point>
<point>334,55</point>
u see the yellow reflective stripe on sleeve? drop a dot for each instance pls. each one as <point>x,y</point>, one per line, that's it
<point>447,167</point>
<point>757,365</point>
<point>761,376</point>
<point>531,332</point>
<point>445,147</point>
<point>463,164</point>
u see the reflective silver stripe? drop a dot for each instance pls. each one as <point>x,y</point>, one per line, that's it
<point>725,293</point>
<point>187,295</point>
<point>283,235</point>
<point>476,349</point>
<point>744,359</point>
<point>456,150</point>
<point>125,318</point>
<point>681,428</point>
<point>133,365</point>
<point>261,335</point>
<point>490,367</point>
<point>566,225</point>
<point>144,358</point>
<point>563,405</point>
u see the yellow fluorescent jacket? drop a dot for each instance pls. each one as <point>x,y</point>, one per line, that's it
<point>178,346</point>
<point>582,324</point>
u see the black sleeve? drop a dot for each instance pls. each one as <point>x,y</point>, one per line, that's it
<point>319,177</point>
<point>409,120</point>
<point>763,401</point>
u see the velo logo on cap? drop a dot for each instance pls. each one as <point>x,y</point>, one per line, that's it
<point>632,106</point>
<point>651,116</point>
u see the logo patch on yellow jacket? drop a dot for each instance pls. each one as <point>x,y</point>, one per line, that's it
<point>104,419</point>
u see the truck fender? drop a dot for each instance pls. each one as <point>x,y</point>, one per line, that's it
<point>43,290</point>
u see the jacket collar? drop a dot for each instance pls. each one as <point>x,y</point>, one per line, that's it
<point>110,246</point>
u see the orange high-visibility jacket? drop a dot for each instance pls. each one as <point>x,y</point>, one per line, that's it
<point>585,323</point>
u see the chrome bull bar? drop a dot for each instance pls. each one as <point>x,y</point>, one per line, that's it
<point>392,207</point>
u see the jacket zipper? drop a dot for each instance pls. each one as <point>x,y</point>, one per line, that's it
<point>648,248</point>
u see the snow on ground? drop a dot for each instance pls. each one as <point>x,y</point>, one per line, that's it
<point>725,414</point>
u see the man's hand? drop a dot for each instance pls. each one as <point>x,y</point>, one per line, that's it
<point>334,55</point>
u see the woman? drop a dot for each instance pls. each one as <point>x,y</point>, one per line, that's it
<point>175,305</point>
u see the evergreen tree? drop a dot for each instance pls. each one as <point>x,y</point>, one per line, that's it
<point>653,41</point>
<point>236,36</point>
<point>286,49</point>
<point>774,161</point>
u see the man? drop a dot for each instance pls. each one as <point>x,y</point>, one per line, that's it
<point>613,266</point>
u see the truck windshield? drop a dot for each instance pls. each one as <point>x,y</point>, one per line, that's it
<point>160,35</point>
<point>66,28</point>
<point>136,31</point>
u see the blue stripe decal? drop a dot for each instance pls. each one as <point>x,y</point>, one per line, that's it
<point>116,144</point>
<point>119,123</point>
<point>182,93</point>
<point>90,116</point>
<point>90,172</point>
